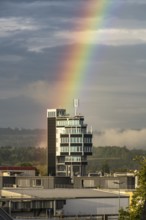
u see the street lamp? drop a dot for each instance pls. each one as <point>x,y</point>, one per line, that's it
<point>118,183</point>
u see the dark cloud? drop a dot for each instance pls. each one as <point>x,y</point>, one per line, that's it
<point>61,14</point>
<point>130,11</point>
<point>22,112</point>
<point>33,53</point>
<point>40,9</point>
<point>41,66</point>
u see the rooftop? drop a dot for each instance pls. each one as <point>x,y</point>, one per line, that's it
<point>62,193</point>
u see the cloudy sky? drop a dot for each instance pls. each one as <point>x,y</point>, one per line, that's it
<point>36,37</point>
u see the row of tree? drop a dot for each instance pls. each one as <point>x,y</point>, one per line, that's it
<point>105,159</point>
<point>137,208</point>
<point>24,156</point>
<point>113,158</point>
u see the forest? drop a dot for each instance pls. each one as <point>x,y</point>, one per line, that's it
<point>106,158</point>
<point>22,147</point>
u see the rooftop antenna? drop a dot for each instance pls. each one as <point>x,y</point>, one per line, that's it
<point>91,130</point>
<point>76,104</point>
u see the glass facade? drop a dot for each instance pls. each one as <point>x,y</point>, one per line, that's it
<point>73,143</point>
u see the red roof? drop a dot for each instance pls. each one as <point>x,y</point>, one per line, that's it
<point>6,168</point>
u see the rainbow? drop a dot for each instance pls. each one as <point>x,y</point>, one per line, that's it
<point>74,72</point>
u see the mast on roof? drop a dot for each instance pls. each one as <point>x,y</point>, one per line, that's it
<point>76,104</point>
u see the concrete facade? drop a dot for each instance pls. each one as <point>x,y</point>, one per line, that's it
<point>50,182</point>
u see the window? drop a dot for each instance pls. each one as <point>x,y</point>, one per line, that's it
<point>87,140</point>
<point>64,140</point>
<point>37,182</point>
<point>87,149</point>
<point>76,140</point>
<point>72,159</point>
<point>51,114</point>
<point>24,182</point>
<point>75,149</point>
<point>64,149</point>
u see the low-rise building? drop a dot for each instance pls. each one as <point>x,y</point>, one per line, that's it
<point>17,171</point>
<point>67,202</point>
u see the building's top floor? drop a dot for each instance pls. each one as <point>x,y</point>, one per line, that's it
<point>53,113</point>
<point>64,119</point>
<point>61,113</point>
<point>70,124</point>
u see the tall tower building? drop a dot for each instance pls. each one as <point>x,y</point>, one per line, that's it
<point>69,143</point>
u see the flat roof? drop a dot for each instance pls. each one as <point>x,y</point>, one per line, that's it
<point>68,193</point>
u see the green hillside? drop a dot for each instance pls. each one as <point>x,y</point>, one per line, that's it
<point>116,158</point>
<point>19,146</point>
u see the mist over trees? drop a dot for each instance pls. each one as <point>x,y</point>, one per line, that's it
<point>22,137</point>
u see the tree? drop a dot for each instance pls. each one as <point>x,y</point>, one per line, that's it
<point>105,168</point>
<point>135,211</point>
<point>124,214</point>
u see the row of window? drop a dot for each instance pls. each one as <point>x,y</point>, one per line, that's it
<point>51,114</point>
<point>72,159</point>
<point>72,140</point>
<point>88,149</point>
<point>26,182</point>
<point>69,122</point>
<point>75,130</point>
<point>87,140</point>
<point>17,205</point>
<point>65,140</point>
<point>75,149</point>
<point>72,149</point>
<point>61,168</point>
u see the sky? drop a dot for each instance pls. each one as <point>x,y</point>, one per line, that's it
<point>38,37</point>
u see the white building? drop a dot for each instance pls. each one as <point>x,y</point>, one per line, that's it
<point>69,143</point>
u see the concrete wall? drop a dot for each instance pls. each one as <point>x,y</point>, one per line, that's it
<point>104,182</point>
<point>50,182</point>
<point>46,182</point>
<point>35,182</point>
